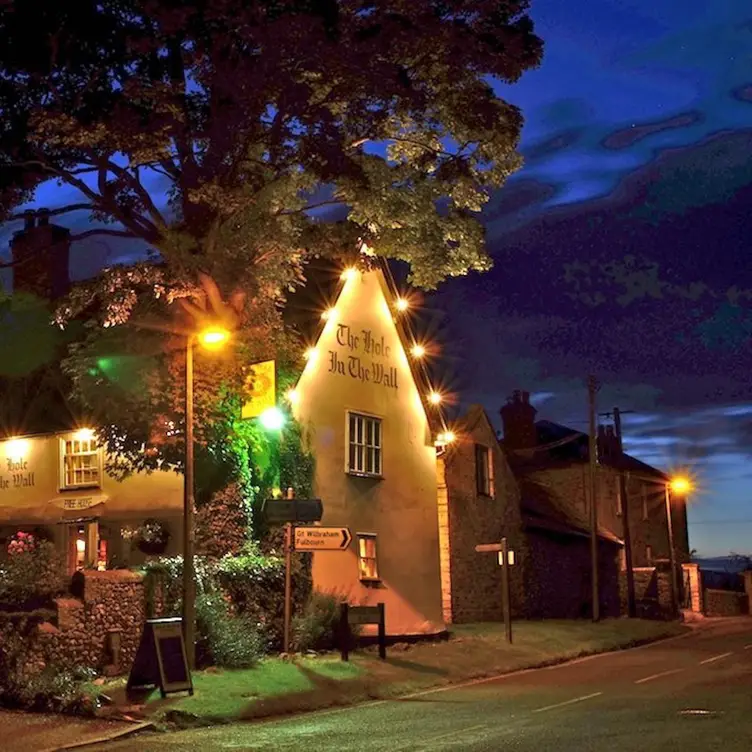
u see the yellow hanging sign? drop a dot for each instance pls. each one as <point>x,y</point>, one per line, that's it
<point>261,389</point>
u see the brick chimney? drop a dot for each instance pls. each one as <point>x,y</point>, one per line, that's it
<point>40,254</point>
<point>518,418</point>
<point>609,448</point>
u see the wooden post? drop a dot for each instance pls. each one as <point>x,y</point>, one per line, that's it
<point>593,457</point>
<point>344,631</point>
<point>288,585</point>
<point>382,632</point>
<point>624,496</point>
<point>507,606</point>
<point>189,537</point>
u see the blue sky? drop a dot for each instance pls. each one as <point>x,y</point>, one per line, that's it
<point>637,141</point>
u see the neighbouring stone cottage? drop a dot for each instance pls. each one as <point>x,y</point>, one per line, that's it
<point>485,499</point>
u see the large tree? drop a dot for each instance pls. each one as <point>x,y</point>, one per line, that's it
<point>213,131</point>
<point>218,135</point>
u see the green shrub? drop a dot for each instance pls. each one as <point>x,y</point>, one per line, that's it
<point>317,627</point>
<point>32,572</point>
<point>54,690</point>
<point>225,640</point>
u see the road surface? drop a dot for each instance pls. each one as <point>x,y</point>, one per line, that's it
<point>691,694</point>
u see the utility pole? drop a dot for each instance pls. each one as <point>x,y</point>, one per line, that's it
<point>592,456</point>
<point>623,495</point>
<point>189,535</point>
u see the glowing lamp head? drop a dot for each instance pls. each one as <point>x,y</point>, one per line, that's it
<point>310,354</point>
<point>84,434</point>
<point>292,396</point>
<point>435,398</point>
<point>272,419</point>
<point>401,304</point>
<point>16,449</point>
<point>213,338</point>
<point>328,314</point>
<point>350,273</point>
<point>418,351</point>
<point>680,484</point>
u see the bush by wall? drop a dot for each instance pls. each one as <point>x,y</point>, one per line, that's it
<point>316,628</point>
<point>32,573</point>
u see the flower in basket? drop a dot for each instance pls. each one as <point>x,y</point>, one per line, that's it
<point>151,537</point>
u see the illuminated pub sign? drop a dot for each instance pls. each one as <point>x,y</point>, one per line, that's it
<point>364,356</point>
<point>16,474</point>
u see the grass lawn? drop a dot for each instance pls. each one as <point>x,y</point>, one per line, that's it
<point>473,651</point>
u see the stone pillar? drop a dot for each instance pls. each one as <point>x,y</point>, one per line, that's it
<point>445,560</point>
<point>691,573</point>
<point>748,588</point>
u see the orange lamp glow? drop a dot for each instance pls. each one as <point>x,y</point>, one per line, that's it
<point>328,314</point>
<point>435,398</point>
<point>292,396</point>
<point>418,351</point>
<point>213,338</point>
<point>402,304</point>
<point>350,273</point>
<point>310,354</point>
<point>680,484</point>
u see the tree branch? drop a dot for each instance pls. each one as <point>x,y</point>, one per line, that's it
<point>54,212</point>
<point>105,231</point>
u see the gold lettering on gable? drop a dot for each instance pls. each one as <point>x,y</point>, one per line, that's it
<point>363,356</point>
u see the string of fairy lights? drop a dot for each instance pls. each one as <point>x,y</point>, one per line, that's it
<point>417,350</point>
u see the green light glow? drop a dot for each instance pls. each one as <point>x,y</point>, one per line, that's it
<point>272,419</point>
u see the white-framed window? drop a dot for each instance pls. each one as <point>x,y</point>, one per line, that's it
<point>368,565</point>
<point>484,476</point>
<point>80,462</point>
<point>364,449</point>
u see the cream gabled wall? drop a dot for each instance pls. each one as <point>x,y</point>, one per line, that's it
<point>30,492</point>
<point>360,365</point>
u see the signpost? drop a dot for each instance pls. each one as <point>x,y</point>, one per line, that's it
<point>506,559</point>
<point>315,538</point>
<point>307,538</point>
<point>358,615</point>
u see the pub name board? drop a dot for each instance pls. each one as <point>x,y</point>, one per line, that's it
<point>363,356</point>
<point>16,475</point>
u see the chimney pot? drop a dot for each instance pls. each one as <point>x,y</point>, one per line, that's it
<point>43,217</point>
<point>518,417</point>
<point>28,219</point>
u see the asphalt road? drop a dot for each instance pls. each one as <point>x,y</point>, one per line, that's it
<point>691,693</point>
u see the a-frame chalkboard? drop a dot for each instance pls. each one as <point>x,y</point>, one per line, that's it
<point>161,659</point>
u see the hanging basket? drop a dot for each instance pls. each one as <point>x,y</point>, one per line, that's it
<point>152,537</point>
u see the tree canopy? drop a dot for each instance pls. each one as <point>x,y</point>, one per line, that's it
<point>215,131</point>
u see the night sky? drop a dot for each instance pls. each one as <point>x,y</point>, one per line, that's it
<point>637,143</point>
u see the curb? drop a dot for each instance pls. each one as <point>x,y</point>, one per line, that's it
<point>104,738</point>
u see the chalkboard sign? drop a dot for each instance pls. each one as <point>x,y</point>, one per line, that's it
<point>161,659</point>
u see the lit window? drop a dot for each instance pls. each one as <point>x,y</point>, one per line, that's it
<point>619,502</point>
<point>484,470</point>
<point>649,554</point>
<point>364,445</point>
<point>81,462</point>
<point>367,564</point>
<point>644,491</point>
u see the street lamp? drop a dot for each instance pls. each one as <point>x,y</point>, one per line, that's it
<point>211,338</point>
<point>679,485</point>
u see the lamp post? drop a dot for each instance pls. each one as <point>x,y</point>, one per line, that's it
<point>211,338</point>
<point>679,485</point>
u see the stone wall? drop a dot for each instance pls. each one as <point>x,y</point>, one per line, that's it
<point>471,518</point>
<point>558,577</point>
<point>653,596</point>
<point>109,603</point>
<point>725,603</point>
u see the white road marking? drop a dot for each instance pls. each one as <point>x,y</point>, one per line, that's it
<point>658,676</point>
<point>716,658</point>
<point>568,702</point>
<point>422,742</point>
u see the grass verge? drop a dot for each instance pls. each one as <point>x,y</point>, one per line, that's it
<point>474,651</point>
